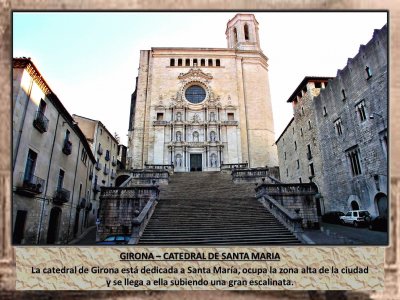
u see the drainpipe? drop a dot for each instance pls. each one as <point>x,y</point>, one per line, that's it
<point>73,189</point>
<point>47,181</point>
<point>22,123</point>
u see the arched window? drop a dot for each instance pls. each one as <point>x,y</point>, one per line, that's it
<point>217,63</point>
<point>210,63</point>
<point>195,62</point>
<point>180,62</point>
<point>235,37</point>
<point>187,63</point>
<point>203,62</point>
<point>246,32</point>
<point>172,62</point>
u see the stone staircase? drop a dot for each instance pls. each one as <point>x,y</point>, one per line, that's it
<point>207,208</point>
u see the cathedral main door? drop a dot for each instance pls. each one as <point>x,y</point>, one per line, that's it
<point>195,162</point>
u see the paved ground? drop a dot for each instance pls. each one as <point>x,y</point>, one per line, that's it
<point>330,234</point>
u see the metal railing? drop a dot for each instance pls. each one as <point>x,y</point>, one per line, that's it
<point>41,122</point>
<point>61,196</point>
<point>67,148</point>
<point>30,185</point>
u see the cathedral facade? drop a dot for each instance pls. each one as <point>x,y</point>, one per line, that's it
<point>198,108</point>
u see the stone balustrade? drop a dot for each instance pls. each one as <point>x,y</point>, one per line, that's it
<point>119,206</point>
<point>255,175</point>
<point>169,168</point>
<point>299,198</point>
<point>148,177</point>
<point>234,166</point>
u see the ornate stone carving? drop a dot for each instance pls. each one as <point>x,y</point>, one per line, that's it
<point>195,73</point>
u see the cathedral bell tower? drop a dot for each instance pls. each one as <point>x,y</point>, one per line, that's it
<point>242,33</point>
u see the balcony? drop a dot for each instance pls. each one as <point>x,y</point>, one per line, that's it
<point>160,123</point>
<point>90,176</point>
<point>98,166</point>
<point>82,204</point>
<point>230,123</point>
<point>29,186</point>
<point>67,148</point>
<point>309,155</point>
<point>107,158</point>
<point>106,170</point>
<point>40,122</point>
<point>100,151</point>
<point>114,162</point>
<point>61,196</point>
<point>96,187</point>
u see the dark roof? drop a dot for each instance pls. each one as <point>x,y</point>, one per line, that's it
<point>304,82</point>
<point>97,121</point>
<point>287,126</point>
<point>26,63</point>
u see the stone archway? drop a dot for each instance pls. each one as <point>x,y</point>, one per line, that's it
<point>354,205</point>
<point>54,225</point>
<point>381,203</point>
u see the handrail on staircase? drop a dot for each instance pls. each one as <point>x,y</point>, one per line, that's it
<point>139,223</point>
<point>291,221</point>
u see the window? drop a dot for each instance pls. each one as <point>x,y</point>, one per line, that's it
<point>231,116</point>
<point>317,85</point>
<point>195,62</point>
<point>187,63</point>
<point>42,106</point>
<point>30,166</point>
<point>180,62</point>
<point>360,109</point>
<point>60,181</point>
<point>285,155</point>
<point>302,111</point>
<point>160,116</point>
<point>210,62</point>
<point>84,156</point>
<point>287,172</point>
<point>301,131</point>
<point>246,32</point>
<point>295,146</point>
<point>202,62</point>
<point>325,113</point>
<point>309,155</point>
<point>67,134</point>
<point>300,180</point>
<point>217,62</point>
<point>343,94</point>
<point>338,126</point>
<point>312,173</point>
<point>41,122</point>
<point>293,130</point>
<point>235,36</point>
<point>353,156</point>
<point>172,62</point>
<point>309,124</point>
<point>368,71</point>
<point>298,164</point>
<point>195,94</point>
<point>101,131</point>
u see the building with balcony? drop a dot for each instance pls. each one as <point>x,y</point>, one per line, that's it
<point>105,149</point>
<point>198,108</point>
<point>338,136</point>
<point>52,161</point>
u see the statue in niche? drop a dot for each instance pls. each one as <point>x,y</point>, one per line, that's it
<point>213,160</point>
<point>178,160</point>
<point>196,118</point>
<point>179,116</point>
<point>212,116</point>
<point>195,136</point>
<point>178,136</point>
<point>212,136</point>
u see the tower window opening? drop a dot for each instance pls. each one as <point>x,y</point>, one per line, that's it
<point>172,62</point>
<point>180,62</point>
<point>217,63</point>
<point>318,85</point>
<point>343,94</point>
<point>202,62</point>
<point>246,32</point>
<point>187,63</point>
<point>210,63</point>
<point>235,37</point>
<point>195,62</point>
<point>369,73</point>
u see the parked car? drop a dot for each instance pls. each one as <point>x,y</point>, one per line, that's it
<point>356,217</point>
<point>332,217</point>
<point>115,239</point>
<point>378,223</point>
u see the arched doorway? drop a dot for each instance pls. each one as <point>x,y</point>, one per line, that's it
<point>354,205</point>
<point>54,225</point>
<point>382,204</point>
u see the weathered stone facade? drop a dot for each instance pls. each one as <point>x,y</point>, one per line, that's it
<point>231,123</point>
<point>51,163</point>
<point>347,132</point>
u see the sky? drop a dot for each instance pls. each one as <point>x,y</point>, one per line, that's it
<point>90,59</point>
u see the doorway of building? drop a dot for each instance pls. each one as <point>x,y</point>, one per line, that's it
<point>382,204</point>
<point>19,226</point>
<point>354,205</point>
<point>54,225</point>
<point>196,162</point>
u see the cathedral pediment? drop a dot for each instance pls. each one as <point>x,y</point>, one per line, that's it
<point>195,73</point>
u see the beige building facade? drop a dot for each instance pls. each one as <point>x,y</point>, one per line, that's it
<point>198,108</point>
<point>51,163</point>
